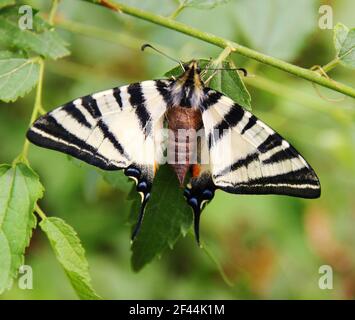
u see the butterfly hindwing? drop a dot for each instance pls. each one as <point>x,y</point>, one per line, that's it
<point>256,159</point>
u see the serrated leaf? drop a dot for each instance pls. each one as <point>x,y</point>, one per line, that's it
<point>227,82</point>
<point>267,26</point>
<point>17,77</point>
<point>6,3</point>
<point>204,4</point>
<point>344,42</point>
<point>230,83</point>
<point>20,189</point>
<point>166,218</point>
<point>42,39</point>
<point>71,255</point>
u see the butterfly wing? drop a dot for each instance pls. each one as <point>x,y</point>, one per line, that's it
<point>113,129</point>
<point>108,129</point>
<point>245,157</point>
<point>256,159</point>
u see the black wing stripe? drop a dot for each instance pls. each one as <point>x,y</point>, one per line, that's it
<point>69,143</point>
<point>136,94</point>
<point>117,94</point>
<point>211,97</point>
<point>229,121</point>
<point>251,122</point>
<point>303,176</point>
<point>138,101</point>
<point>109,135</point>
<point>238,164</point>
<point>75,113</point>
<point>305,192</point>
<point>284,154</point>
<point>90,104</point>
<point>163,89</point>
<point>272,141</point>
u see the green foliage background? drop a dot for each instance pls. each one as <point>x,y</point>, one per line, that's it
<point>268,246</point>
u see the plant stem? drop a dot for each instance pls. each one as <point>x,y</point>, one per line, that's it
<point>330,65</point>
<point>223,43</point>
<point>223,56</point>
<point>218,265</point>
<point>40,212</point>
<point>37,107</point>
<point>177,11</point>
<point>53,12</point>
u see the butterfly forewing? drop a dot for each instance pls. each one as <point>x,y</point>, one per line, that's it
<point>110,129</point>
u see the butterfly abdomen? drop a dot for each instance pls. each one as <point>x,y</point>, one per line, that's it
<point>183,124</point>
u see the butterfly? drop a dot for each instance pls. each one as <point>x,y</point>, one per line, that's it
<point>123,128</point>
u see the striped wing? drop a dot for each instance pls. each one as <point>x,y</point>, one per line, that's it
<point>256,159</point>
<point>110,129</point>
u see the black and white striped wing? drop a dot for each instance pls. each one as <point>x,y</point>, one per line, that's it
<point>248,157</point>
<point>110,129</point>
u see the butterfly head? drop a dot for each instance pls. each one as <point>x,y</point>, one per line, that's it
<point>188,87</point>
<point>191,75</point>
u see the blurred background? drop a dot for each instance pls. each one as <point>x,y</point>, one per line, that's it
<point>268,246</point>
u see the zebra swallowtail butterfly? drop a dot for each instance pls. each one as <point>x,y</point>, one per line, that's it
<point>122,128</point>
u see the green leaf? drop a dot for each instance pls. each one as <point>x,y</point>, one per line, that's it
<point>117,179</point>
<point>17,77</point>
<point>203,4</point>
<point>166,218</point>
<point>344,42</point>
<point>267,26</point>
<point>20,189</point>
<point>71,255</point>
<point>6,54</point>
<point>42,39</point>
<point>230,83</point>
<point>227,82</point>
<point>6,3</point>
<point>177,71</point>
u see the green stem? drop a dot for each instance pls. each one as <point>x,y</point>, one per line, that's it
<point>329,66</point>
<point>222,56</point>
<point>223,43</point>
<point>36,109</point>
<point>177,11</point>
<point>218,265</point>
<point>40,212</point>
<point>53,12</point>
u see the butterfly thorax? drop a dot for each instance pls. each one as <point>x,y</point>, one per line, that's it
<point>187,90</point>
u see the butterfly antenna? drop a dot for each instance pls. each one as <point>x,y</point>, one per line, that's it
<point>147,45</point>
<point>244,71</point>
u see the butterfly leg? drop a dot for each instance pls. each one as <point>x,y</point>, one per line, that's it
<point>200,191</point>
<point>143,176</point>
